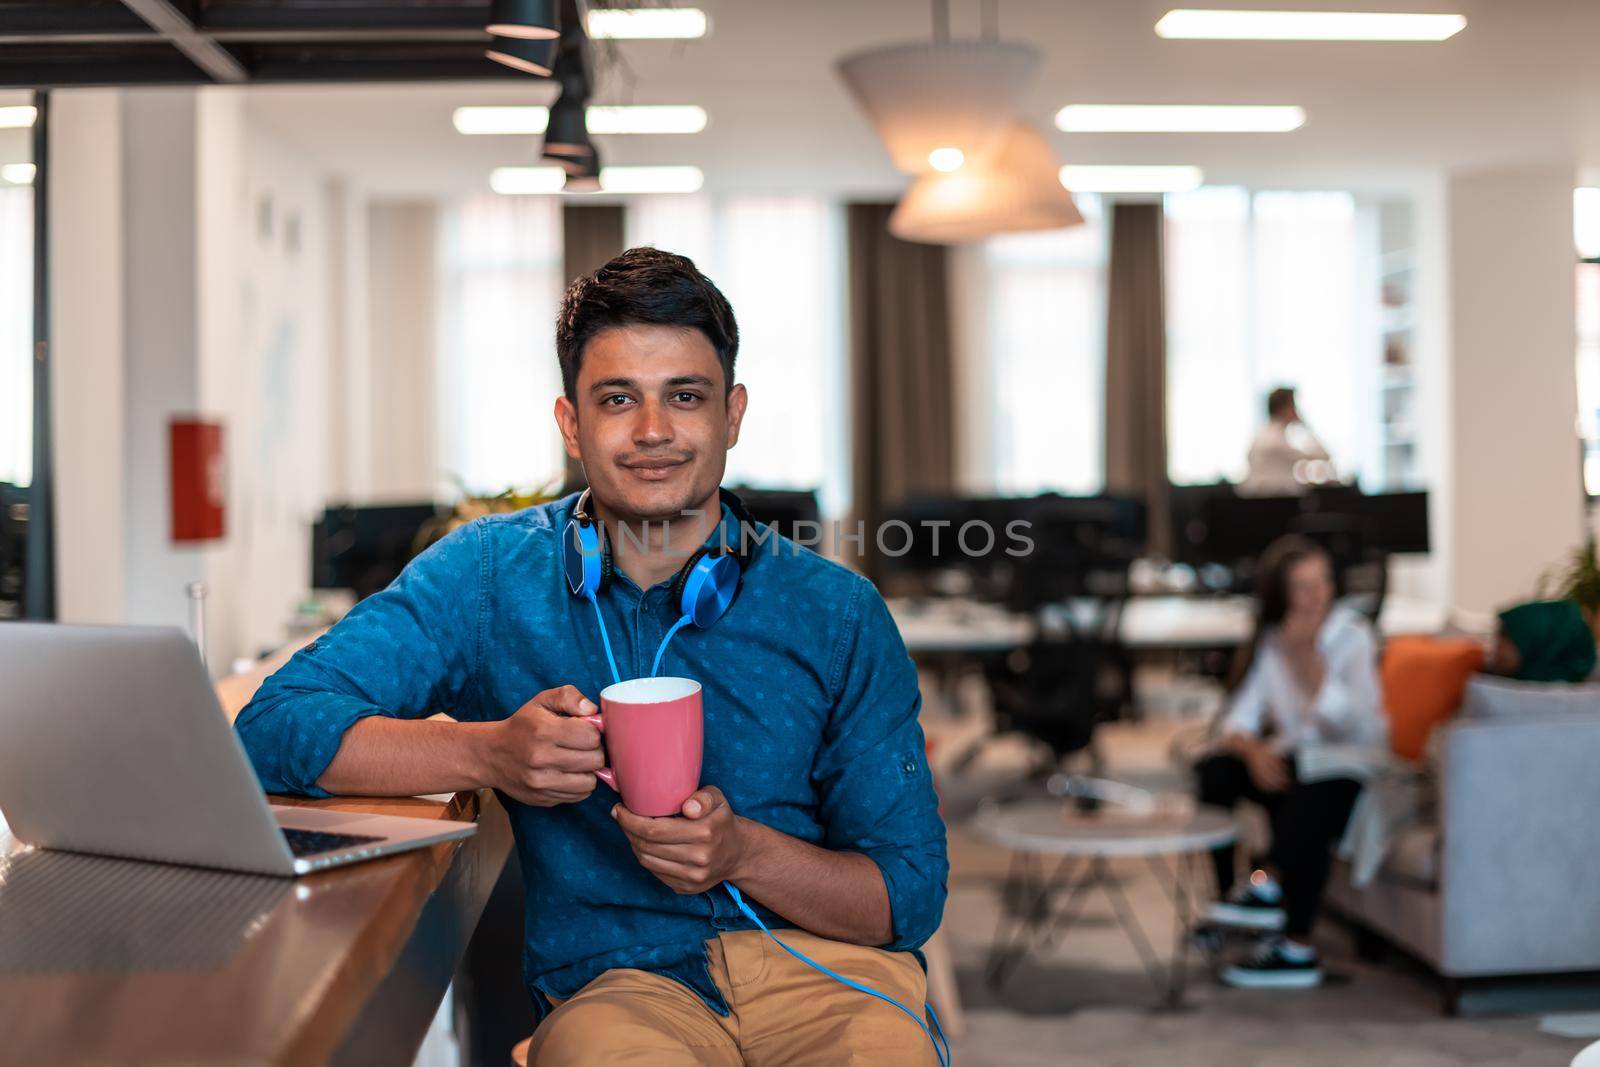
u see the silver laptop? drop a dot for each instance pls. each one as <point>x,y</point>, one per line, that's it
<point>112,742</point>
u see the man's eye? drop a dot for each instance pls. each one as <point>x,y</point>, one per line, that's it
<point>616,400</point>
<point>686,397</point>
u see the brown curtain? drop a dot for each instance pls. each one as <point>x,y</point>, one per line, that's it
<point>591,235</point>
<point>1136,366</point>
<point>902,403</point>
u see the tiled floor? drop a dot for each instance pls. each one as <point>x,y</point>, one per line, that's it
<point>1087,1002</point>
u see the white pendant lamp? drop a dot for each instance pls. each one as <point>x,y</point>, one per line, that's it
<point>924,98</point>
<point>1017,187</point>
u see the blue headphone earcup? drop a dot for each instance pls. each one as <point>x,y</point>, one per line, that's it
<point>584,558</point>
<point>706,586</point>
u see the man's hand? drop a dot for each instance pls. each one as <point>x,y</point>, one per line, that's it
<point>691,852</point>
<point>545,755</point>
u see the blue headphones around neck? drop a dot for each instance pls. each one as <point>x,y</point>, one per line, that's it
<point>703,590</point>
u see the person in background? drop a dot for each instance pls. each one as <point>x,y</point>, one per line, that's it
<point>1543,641</point>
<point>1279,449</point>
<point>1308,676</point>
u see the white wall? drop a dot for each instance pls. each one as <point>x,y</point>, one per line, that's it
<point>1515,491</point>
<point>161,344</point>
<point>263,285</point>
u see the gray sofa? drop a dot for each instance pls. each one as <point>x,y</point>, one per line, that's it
<point>1508,881</point>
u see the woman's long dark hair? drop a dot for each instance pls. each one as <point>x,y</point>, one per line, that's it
<point>1272,595</point>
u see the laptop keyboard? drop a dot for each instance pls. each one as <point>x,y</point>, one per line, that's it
<point>311,842</point>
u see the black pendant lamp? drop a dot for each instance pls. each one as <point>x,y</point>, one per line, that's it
<point>530,57</point>
<point>534,20</point>
<point>586,179</point>
<point>567,133</point>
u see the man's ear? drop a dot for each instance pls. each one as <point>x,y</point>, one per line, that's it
<point>737,400</point>
<point>567,423</point>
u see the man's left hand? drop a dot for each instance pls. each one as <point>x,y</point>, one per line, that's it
<point>691,852</point>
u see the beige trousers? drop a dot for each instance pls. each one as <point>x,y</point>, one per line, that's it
<point>783,1012</point>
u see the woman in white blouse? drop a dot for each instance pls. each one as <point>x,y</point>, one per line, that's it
<point>1309,677</point>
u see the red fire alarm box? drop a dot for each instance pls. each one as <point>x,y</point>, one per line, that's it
<point>199,479</point>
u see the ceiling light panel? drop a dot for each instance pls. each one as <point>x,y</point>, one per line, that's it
<point>1191,24</point>
<point>16,117</point>
<point>1179,118</point>
<point>648,23</point>
<point>523,181</point>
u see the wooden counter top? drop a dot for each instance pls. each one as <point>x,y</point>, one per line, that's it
<point>341,967</point>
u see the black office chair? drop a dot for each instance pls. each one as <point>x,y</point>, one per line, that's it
<point>1058,688</point>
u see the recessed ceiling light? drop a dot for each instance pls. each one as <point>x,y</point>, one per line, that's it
<point>1179,118</point>
<point>17,116</point>
<point>534,180</point>
<point>1187,23</point>
<point>18,173</point>
<point>946,159</point>
<point>647,118</point>
<point>1130,179</point>
<point>651,179</point>
<point>521,181</point>
<point>605,119</point>
<point>647,23</point>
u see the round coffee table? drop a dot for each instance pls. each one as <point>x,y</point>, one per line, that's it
<point>1099,821</point>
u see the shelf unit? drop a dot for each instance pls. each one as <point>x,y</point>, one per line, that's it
<point>1398,377</point>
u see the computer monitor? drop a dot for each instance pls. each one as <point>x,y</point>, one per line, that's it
<point>782,509</point>
<point>932,526</point>
<point>1241,527</point>
<point>1398,522</point>
<point>365,548</point>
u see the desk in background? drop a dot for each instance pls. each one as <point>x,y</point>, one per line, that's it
<point>1148,623</point>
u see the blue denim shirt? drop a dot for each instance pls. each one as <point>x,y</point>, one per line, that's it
<point>810,727</point>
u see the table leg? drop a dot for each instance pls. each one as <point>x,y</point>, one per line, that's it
<point>1136,936</point>
<point>1032,896</point>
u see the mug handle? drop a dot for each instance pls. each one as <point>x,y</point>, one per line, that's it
<point>604,773</point>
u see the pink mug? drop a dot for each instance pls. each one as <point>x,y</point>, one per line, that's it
<point>654,737</point>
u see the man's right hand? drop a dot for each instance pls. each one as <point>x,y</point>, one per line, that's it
<point>545,754</point>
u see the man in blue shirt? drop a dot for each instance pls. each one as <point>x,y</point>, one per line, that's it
<point>816,799</point>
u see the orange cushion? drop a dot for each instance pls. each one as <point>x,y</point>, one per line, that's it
<point>1423,680</point>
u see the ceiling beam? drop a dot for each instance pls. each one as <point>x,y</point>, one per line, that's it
<point>165,18</point>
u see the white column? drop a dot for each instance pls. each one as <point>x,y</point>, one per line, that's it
<point>86,236</point>
<point>1514,485</point>
<point>403,337</point>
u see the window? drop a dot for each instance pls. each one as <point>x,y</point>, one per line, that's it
<point>16,334</point>
<point>779,259</point>
<point>1044,332</point>
<point>501,281</point>
<point>1266,289</point>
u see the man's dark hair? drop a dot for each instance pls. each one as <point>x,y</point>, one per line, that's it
<point>643,287</point>
<point>1279,400</point>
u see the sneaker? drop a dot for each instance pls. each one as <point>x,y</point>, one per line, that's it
<point>1256,905</point>
<point>1276,965</point>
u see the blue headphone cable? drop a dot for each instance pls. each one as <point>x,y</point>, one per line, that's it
<point>941,1046</point>
<point>605,638</point>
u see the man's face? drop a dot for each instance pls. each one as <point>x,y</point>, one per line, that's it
<point>652,421</point>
